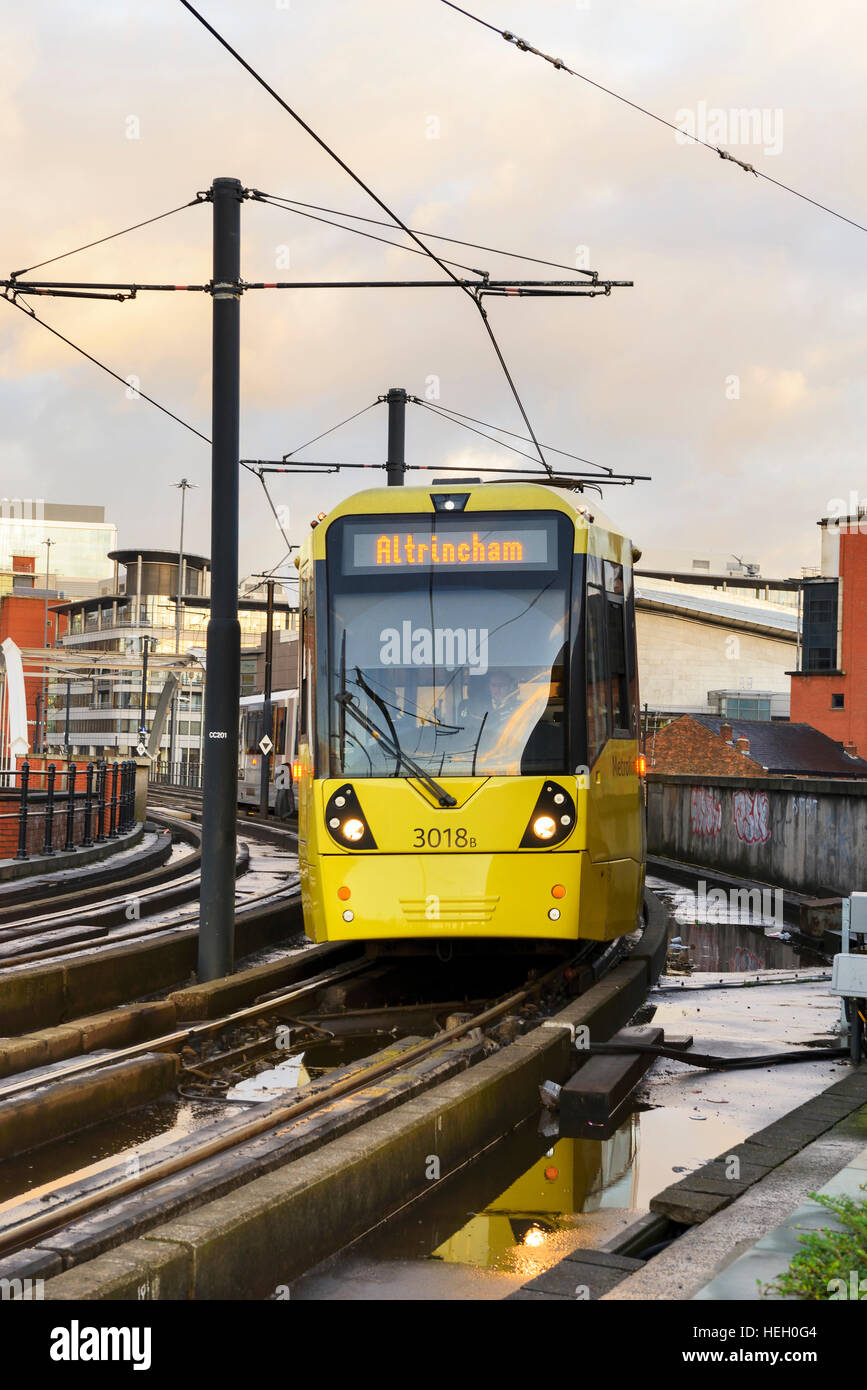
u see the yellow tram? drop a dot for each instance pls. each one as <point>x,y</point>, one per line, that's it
<point>468,759</point>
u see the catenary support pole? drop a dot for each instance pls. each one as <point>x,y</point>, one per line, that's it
<point>268,712</point>
<point>395,466</point>
<point>222,684</point>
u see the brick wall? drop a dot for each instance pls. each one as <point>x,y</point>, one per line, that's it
<point>36,826</point>
<point>22,618</point>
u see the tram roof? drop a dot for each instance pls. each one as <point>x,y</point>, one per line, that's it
<point>520,496</point>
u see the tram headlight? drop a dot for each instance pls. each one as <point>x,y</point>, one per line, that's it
<point>544,827</point>
<point>346,821</point>
<point>553,818</point>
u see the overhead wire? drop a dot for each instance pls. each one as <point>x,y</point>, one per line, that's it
<point>448,413</point>
<point>199,198</point>
<point>25,309</point>
<point>426,405</point>
<point>356,231</point>
<point>332,429</point>
<point>434,236</point>
<point>473,294</point>
<point>558,63</point>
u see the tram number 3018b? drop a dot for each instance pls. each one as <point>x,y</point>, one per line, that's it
<point>433,839</point>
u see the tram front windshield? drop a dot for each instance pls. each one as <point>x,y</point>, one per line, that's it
<point>448,638</point>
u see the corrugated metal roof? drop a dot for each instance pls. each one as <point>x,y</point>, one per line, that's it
<point>772,616</point>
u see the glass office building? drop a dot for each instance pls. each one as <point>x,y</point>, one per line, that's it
<point>102,705</point>
<point>76,561</point>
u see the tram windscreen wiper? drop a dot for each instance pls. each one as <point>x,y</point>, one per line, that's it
<point>390,745</point>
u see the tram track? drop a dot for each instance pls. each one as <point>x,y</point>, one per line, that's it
<point>188,801</point>
<point>399,1071</point>
<point>145,897</point>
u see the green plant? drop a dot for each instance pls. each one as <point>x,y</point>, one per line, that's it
<point>827,1255</point>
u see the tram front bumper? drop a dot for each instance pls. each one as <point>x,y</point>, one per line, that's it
<point>562,895</point>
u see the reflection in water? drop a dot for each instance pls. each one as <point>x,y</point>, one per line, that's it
<point>124,1138</point>
<point>739,931</point>
<point>732,946</point>
<point>534,1218</point>
<point>517,1210</point>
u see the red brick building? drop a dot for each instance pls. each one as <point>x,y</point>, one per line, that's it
<point>705,745</point>
<point>686,746</point>
<point>23,619</point>
<point>829,689</point>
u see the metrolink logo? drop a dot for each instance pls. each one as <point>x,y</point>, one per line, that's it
<point>447,647</point>
<point>77,1343</point>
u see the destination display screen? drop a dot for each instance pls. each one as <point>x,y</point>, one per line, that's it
<point>465,544</point>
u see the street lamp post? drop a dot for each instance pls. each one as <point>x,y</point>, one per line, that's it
<point>48,544</point>
<point>184,486</point>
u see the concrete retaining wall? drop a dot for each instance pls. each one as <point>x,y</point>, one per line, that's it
<point>808,835</point>
<point>258,1238</point>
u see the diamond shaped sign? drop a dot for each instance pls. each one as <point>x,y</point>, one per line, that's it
<point>266,745</point>
<point>140,749</point>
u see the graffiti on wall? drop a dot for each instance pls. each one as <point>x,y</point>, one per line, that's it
<point>705,812</point>
<point>752,817</point>
<point>745,959</point>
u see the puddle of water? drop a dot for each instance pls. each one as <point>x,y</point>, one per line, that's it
<point>99,1147</point>
<point>726,936</point>
<point>518,1209</point>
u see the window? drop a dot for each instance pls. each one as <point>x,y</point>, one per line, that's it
<point>837,701</point>
<point>819,640</point>
<point>610,663</point>
<point>598,689</point>
<point>617,664</point>
<point>746,707</point>
<point>819,658</point>
<point>305,712</point>
<point>448,641</point>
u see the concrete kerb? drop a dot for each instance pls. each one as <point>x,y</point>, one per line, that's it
<point>261,1236</point>
<point>50,994</point>
<point>49,1112</point>
<point>13,870</point>
<point>127,1024</point>
<point>132,1023</point>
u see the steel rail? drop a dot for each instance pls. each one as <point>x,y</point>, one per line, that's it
<point>119,939</point>
<point>169,1042</point>
<point>29,1231</point>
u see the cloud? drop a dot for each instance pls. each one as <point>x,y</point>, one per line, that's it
<point>113,114</point>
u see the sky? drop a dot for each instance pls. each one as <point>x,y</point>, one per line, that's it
<point>732,372</point>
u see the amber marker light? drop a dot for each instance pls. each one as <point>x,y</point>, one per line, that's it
<point>641,765</point>
<point>344,893</point>
<point>551,1174</point>
<point>558,891</point>
<point>296,771</point>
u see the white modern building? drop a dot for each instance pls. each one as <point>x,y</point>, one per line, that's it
<point>707,649</point>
